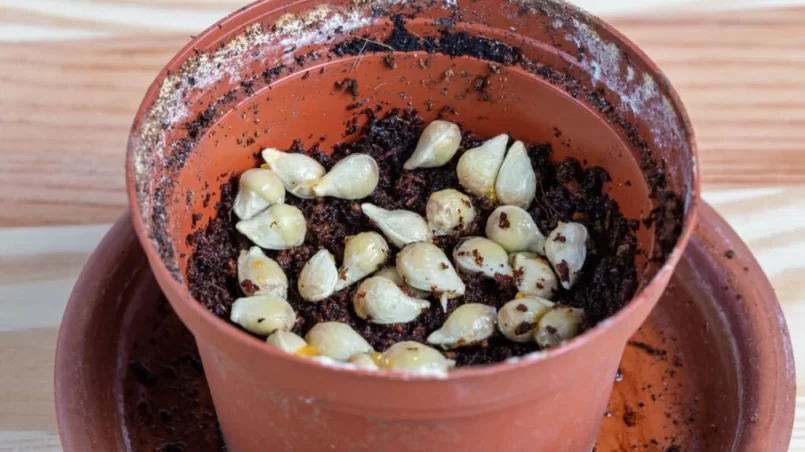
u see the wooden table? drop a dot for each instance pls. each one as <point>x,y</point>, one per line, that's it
<point>74,71</point>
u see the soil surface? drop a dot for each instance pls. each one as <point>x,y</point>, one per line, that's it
<point>566,192</point>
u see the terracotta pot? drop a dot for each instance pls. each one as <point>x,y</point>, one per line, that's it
<point>251,81</point>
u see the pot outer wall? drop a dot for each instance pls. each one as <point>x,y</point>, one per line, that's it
<point>242,86</point>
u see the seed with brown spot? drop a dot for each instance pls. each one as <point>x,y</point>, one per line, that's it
<point>503,221</point>
<point>249,287</point>
<point>522,308</point>
<point>560,238</point>
<point>479,260</point>
<point>564,271</point>
<point>523,328</point>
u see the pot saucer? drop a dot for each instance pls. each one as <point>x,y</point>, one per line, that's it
<point>711,369</point>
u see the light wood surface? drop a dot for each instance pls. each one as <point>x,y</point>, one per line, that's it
<point>73,73</point>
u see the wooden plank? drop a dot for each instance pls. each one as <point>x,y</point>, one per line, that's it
<point>66,106</point>
<point>740,76</point>
<point>29,440</point>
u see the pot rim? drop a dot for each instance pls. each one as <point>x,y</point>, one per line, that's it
<point>225,26</point>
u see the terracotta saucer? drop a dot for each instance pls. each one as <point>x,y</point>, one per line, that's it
<point>711,370</point>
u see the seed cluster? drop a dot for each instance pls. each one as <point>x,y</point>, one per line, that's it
<point>514,247</point>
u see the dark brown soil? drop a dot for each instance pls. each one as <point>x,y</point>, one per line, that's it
<point>567,191</point>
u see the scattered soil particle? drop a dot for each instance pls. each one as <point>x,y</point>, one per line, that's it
<point>666,219</point>
<point>447,110</point>
<point>648,348</point>
<point>350,85</point>
<point>480,86</point>
<point>448,74</point>
<point>729,254</point>
<point>390,60</point>
<point>629,416</point>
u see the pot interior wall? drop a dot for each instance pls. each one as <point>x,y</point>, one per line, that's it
<point>309,106</point>
<point>556,76</point>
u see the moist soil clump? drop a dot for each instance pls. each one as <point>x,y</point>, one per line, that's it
<point>566,192</point>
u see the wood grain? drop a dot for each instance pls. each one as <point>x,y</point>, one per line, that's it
<point>66,105</point>
<point>74,71</point>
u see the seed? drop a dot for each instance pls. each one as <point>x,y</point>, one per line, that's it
<point>354,177</point>
<point>534,276</point>
<point>337,340</point>
<point>261,275</point>
<point>318,277</point>
<point>257,189</point>
<point>559,324</point>
<point>391,274</point>
<point>415,357</point>
<point>481,255</point>
<point>298,172</point>
<point>515,230</point>
<point>526,254</point>
<point>363,361</point>
<point>566,250</point>
<point>470,323</point>
<point>448,211</point>
<point>401,227</point>
<point>517,319</point>
<point>263,314</point>
<point>478,168</point>
<point>437,145</point>
<point>280,227</point>
<point>286,341</point>
<point>364,254</point>
<point>516,183</point>
<point>380,301</point>
<point>424,266</point>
